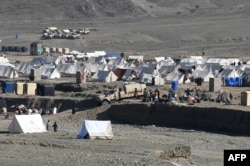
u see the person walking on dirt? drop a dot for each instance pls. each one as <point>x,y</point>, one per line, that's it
<point>55,126</point>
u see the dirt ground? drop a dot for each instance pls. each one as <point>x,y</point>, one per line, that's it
<point>131,145</point>
<point>150,28</point>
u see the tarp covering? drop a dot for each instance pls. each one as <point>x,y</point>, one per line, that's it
<point>93,129</point>
<point>27,124</point>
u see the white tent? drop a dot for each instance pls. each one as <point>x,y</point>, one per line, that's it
<point>130,74</point>
<point>50,73</point>
<point>226,73</point>
<point>147,79</point>
<point>67,69</point>
<point>179,77</point>
<point>4,59</point>
<point>204,74</point>
<point>93,129</point>
<point>8,72</point>
<point>219,61</point>
<point>27,124</point>
<point>105,76</point>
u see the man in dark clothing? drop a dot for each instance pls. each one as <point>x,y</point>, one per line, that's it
<point>153,81</point>
<point>55,126</point>
<point>73,109</point>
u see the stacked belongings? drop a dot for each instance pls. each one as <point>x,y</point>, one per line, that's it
<point>224,96</point>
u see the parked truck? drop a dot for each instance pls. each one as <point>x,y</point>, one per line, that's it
<point>127,91</point>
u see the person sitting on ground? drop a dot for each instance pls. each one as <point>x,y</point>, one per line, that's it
<point>7,116</point>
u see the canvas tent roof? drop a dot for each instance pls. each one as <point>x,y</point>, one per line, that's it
<point>113,55</point>
<point>204,74</point>
<point>229,73</point>
<point>164,70</point>
<point>167,61</point>
<point>50,73</point>
<point>50,59</point>
<point>147,78</point>
<point>220,61</point>
<point>3,58</point>
<point>158,59</point>
<point>8,72</point>
<point>93,68</point>
<point>105,76</point>
<point>129,75</point>
<point>174,76</point>
<point>94,129</point>
<point>27,124</point>
<point>95,60</point>
<point>67,68</point>
<point>24,68</point>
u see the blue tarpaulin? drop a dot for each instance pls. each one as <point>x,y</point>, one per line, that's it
<point>113,55</point>
<point>231,81</point>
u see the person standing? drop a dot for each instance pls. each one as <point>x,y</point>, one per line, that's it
<point>55,126</point>
<point>4,109</point>
<point>73,109</point>
<point>145,94</point>
<point>156,95</point>
<point>48,125</point>
<point>136,93</point>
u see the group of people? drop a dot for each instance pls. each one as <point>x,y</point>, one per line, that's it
<point>21,109</point>
<point>199,81</point>
<point>149,95</point>
<point>55,126</point>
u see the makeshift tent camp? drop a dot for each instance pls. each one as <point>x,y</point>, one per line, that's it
<point>93,129</point>
<point>27,124</point>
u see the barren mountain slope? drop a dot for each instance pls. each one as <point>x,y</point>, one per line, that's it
<point>152,28</point>
<point>47,10</point>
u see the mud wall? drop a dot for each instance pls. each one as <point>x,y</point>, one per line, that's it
<point>50,103</point>
<point>208,119</point>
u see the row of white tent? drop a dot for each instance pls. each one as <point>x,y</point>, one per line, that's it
<point>100,68</point>
<point>92,129</point>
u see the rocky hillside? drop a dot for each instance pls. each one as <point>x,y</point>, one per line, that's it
<point>56,10</point>
<point>47,10</point>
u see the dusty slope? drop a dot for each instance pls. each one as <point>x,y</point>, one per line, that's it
<point>55,10</point>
